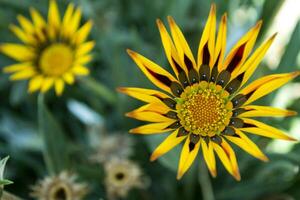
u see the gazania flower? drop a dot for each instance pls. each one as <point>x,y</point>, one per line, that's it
<point>206,103</point>
<point>122,175</point>
<point>53,52</point>
<point>62,186</point>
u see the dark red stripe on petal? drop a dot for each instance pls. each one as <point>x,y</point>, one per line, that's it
<point>206,55</point>
<point>236,58</point>
<point>161,78</point>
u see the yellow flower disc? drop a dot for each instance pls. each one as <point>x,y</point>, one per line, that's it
<point>56,59</point>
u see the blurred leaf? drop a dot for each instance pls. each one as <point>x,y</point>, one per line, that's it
<point>268,13</point>
<point>55,152</point>
<point>170,159</point>
<point>262,178</point>
<point>288,60</point>
<point>2,167</point>
<point>98,89</point>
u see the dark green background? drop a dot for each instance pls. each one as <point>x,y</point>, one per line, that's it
<point>121,24</point>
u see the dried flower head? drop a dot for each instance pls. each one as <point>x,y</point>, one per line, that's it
<point>60,187</point>
<point>121,176</point>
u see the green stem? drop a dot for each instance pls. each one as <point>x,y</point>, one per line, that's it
<point>48,162</point>
<point>205,183</point>
<point>99,89</point>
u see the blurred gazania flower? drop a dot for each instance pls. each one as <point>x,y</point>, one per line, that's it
<point>62,186</point>
<point>122,175</point>
<point>206,103</point>
<point>53,52</point>
<point>112,146</point>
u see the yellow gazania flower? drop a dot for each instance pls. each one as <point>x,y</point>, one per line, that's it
<point>53,52</point>
<point>206,104</point>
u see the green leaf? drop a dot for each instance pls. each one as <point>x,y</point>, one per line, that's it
<point>98,89</point>
<point>55,152</point>
<point>5,182</point>
<point>2,166</point>
<point>288,60</point>
<point>268,13</point>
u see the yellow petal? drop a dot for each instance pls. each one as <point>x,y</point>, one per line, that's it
<point>38,20</point>
<point>181,44</point>
<point>266,85</point>
<point>207,41</point>
<point>35,83</point>
<point>209,157</point>
<point>169,143</point>
<point>74,22</point>
<point>187,157</point>
<point>170,50</point>
<point>68,78</point>
<point>26,38</point>
<point>83,32</point>
<point>17,51</point>
<point>221,43</point>
<point>53,14</point>
<point>241,50</point>
<point>157,75</point>
<point>246,144</point>
<point>152,128</point>
<point>265,130</point>
<point>67,19</point>
<point>23,74</point>
<point>47,84</point>
<point>17,67</point>
<point>149,116</point>
<point>157,107</point>
<point>85,48</point>
<point>251,64</point>
<point>228,158</point>
<point>80,70</point>
<point>26,25</point>
<point>146,95</point>
<point>59,86</point>
<point>265,111</point>
<point>82,60</point>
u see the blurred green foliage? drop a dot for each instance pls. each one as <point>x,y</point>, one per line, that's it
<point>121,24</point>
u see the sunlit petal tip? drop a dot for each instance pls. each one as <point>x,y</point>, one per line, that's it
<point>213,9</point>
<point>295,74</point>
<point>171,20</point>
<point>179,175</point>
<point>236,175</point>
<point>224,18</point>
<point>154,156</point>
<point>159,22</point>
<point>213,173</point>
<point>264,158</point>
<point>291,113</point>
<point>129,114</point>
<point>131,53</point>
<point>258,24</point>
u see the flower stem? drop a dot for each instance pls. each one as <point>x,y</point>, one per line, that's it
<point>205,183</point>
<point>47,159</point>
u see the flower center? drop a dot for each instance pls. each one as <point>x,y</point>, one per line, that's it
<point>204,109</point>
<point>56,59</point>
<point>61,191</point>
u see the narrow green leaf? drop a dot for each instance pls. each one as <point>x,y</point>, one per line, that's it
<point>55,152</point>
<point>268,13</point>
<point>289,58</point>
<point>98,89</point>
